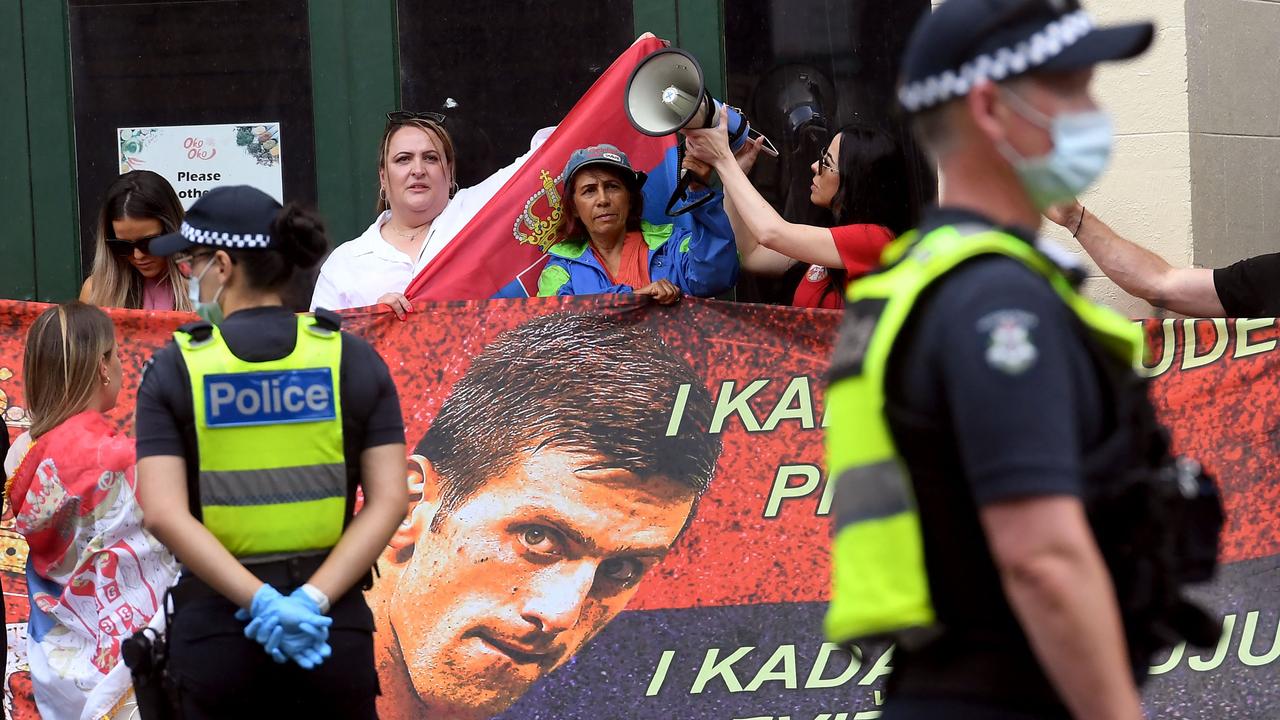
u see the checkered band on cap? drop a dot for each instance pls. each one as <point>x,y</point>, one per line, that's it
<point>1031,53</point>
<point>221,239</point>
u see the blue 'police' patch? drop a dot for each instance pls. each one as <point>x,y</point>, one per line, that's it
<point>268,398</point>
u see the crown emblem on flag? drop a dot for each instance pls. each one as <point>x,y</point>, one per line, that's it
<point>541,217</point>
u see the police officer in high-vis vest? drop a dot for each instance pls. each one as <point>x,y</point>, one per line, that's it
<point>255,429</point>
<point>1005,507</point>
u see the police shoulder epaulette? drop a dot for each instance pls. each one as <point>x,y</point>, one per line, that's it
<point>199,330</point>
<point>328,319</point>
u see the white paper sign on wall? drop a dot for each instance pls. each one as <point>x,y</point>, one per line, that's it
<point>197,158</point>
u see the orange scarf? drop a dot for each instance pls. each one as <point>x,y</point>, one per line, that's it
<point>633,269</point>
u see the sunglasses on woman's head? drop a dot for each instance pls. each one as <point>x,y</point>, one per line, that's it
<point>401,116</point>
<point>125,248</point>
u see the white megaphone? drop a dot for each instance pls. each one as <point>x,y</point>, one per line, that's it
<point>666,93</point>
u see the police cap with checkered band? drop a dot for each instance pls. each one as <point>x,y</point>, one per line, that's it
<point>965,41</point>
<point>231,217</point>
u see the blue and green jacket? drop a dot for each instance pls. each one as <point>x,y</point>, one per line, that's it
<point>696,252</point>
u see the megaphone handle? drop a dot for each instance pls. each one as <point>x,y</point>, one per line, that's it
<point>687,178</point>
<point>682,191</point>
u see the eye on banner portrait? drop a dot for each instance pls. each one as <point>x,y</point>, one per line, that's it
<point>619,511</point>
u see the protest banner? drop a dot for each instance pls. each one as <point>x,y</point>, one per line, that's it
<point>728,624</point>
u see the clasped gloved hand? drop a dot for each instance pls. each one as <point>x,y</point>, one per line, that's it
<point>289,628</point>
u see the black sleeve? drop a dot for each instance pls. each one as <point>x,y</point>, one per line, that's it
<point>164,405</point>
<point>1004,346</point>
<point>370,394</point>
<point>1249,288</point>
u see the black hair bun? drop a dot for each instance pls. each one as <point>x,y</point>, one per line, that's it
<point>299,235</point>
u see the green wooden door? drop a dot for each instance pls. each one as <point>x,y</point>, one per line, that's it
<point>39,247</point>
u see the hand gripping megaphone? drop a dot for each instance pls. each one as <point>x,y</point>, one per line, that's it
<point>666,93</point>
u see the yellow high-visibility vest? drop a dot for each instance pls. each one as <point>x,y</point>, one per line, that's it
<point>879,586</point>
<point>272,469</point>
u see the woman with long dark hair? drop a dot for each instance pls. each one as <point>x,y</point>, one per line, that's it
<point>139,206</point>
<point>865,177</point>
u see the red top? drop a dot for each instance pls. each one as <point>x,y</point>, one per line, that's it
<point>859,247</point>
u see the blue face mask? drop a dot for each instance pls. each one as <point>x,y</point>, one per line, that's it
<point>1081,151</point>
<point>210,311</point>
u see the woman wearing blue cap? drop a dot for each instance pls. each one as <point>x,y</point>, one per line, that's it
<point>604,246</point>
<point>255,431</point>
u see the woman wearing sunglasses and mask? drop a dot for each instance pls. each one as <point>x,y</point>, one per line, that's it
<point>420,210</point>
<point>139,206</point>
<point>865,178</point>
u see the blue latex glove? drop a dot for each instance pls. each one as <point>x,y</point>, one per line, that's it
<point>308,646</point>
<point>288,627</point>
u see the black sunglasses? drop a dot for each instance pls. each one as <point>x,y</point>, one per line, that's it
<point>402,116</point>
<point>125,248</point>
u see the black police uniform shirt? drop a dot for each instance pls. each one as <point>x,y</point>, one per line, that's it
<point>992,395</point>
<point>166,420</point>
<point>165,426</point>
<point>370,413</point>
<point>1251,287</point>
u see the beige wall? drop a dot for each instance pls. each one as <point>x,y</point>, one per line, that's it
<point>1146,195</point>
<point>1234,64</point>
<point>1196,172</point>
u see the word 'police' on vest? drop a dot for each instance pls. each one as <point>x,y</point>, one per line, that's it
<point>268,398</point>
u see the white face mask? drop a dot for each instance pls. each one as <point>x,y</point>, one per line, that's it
<point>210,311</point>
<point>1081,152</point>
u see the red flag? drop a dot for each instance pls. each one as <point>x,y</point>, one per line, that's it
<point>507,240</point>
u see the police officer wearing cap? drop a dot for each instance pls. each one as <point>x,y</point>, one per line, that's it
<point>254,434</point>
<point>984,416</point>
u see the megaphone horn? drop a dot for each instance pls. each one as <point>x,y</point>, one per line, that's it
<point>666,93</point>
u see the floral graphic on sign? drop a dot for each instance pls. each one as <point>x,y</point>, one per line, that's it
<point>132,141</point>
<point>262,142</point>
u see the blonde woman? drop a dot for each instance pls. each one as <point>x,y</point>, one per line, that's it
<point>94,576</point>
<point>420,211</point>
<point>139,206</point>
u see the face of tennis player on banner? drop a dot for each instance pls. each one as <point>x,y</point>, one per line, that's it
<point>511,584</point>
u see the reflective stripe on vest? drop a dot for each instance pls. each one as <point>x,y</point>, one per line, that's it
<point>879,585</point>
<point>273,476</point>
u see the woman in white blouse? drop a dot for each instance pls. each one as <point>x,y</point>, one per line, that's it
<point>420,208</point>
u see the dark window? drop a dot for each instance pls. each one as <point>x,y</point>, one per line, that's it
<point>790,59</point>
<point>151,64</point>
<point>501,69</point>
